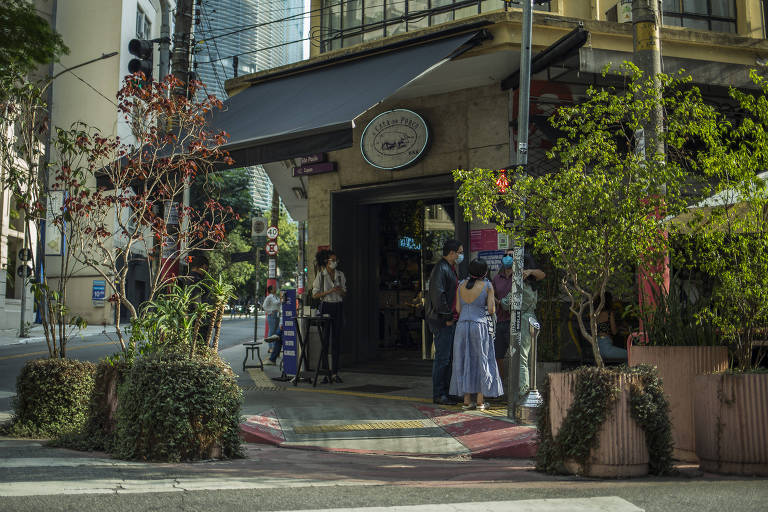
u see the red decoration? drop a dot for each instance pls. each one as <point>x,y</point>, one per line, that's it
<point>502,183</point>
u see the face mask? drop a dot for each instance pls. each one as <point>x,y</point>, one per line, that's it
<point>332,265</point>
<point>508,261</point>
<point>460,258</point>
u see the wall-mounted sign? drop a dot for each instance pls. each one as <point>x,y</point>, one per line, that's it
<point>319,168</point>
<point>311,159</point>
<point>394,139</point>
<point>99,293</point>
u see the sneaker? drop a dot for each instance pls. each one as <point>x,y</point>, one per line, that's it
<point>337,379</point>
<point>470,407</point>
<point>269,362</point>
<point>484,406</point>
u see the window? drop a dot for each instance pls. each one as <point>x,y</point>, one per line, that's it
<point>143,25</point>
<point>712,15</point>
<point>348,22</point>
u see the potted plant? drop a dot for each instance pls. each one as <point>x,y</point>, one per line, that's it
<point>681,344</point>
<point>597,218</point>
<point>730,234</point>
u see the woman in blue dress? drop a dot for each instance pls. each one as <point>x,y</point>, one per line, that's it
<point>474,362</point>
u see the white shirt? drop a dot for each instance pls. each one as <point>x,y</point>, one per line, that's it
<point>271,304</point>
<point>329,284</point>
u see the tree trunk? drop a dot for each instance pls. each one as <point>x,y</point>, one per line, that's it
<point>219,318</point>
<point>593,341</point>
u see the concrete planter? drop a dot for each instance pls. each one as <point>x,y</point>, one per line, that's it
<point>731,414</point>
<point>621,451</point>
<point>677,367</point>
<point>545,368</point>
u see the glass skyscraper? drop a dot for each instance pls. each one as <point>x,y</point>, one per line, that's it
<point>257,35</point>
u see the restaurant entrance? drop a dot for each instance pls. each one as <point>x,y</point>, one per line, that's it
<point>387,242</point>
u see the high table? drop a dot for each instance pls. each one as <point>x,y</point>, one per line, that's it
<point>323,325</point>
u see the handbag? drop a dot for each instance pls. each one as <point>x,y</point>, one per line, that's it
<point>315,303</point>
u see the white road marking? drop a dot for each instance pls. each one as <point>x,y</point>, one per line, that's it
<point>601,504</point>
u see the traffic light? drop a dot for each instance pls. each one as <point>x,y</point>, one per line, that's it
<point>142,49</point>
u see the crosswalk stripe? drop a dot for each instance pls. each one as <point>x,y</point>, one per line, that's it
<point>599,504</point>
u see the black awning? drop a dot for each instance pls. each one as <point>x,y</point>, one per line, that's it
<point>554,54</point>
<point>312,112</point>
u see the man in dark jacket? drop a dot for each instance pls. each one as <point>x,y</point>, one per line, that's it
<point>440,317</point>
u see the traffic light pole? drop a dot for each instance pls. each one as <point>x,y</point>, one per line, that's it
<point>256,298</point>
<point>521,160</point>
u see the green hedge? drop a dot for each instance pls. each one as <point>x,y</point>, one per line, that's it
<point>173,408</point>
<point>52,397</point>
<point>98,433</point>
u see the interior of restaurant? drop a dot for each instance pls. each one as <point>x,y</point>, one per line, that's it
<point>387,246</point>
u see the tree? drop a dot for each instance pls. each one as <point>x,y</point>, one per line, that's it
<point>135,212</point>
<point>38,191</point>
<point>26,40</point>
<point>238,274</point>
<point>599,216</point>
<point>730,229</point>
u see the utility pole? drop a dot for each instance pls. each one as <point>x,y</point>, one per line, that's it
<point>519,155</point>
<point>182,43</point>
<point>646,25</point>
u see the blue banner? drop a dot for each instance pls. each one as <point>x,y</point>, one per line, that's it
<point>290,355</point>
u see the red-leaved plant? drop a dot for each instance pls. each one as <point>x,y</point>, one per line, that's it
<point>135,211</point>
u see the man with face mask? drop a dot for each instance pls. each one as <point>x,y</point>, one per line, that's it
<point>502,285</point>
<point>440,315</point>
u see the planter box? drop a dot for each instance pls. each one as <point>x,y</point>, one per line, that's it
<point>621,451</point>
<point>677,367</point>
<point>731,413</point>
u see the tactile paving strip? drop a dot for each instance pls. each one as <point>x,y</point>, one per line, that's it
<point>379,425</point>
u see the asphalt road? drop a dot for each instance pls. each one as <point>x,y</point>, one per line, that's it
<point>95,348</point>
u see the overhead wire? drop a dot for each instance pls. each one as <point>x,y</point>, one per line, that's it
<point>316,35</point>
<point>210,57</point>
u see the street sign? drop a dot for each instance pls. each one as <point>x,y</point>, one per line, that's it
<point>271,248</point>
<point>24,271</point>
<point>25,254</point>
<point>272,269</point>
<point>272,232</point>
<point>258,227</point>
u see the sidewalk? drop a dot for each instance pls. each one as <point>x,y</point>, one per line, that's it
<point>37,335</point>
<point>372,413</point>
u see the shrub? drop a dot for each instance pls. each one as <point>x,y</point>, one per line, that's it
<point>98,432</point>
<point>52,397</point>
<point>177,409</point>
<point>594,395</point>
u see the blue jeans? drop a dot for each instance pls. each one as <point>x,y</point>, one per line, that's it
<point>273,324</point>
<point>441,366</point>
<point>608,350</point>
<point>277,347</point>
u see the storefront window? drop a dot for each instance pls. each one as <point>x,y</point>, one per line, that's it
<point>712,15</point>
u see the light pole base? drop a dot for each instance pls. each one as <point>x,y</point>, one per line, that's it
<point>527,412</point>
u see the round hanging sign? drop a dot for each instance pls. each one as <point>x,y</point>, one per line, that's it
<point>394,139</point>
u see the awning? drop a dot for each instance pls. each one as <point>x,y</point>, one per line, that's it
<point>312,112</point>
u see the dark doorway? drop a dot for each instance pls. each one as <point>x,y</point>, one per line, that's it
<point>388,237</point>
